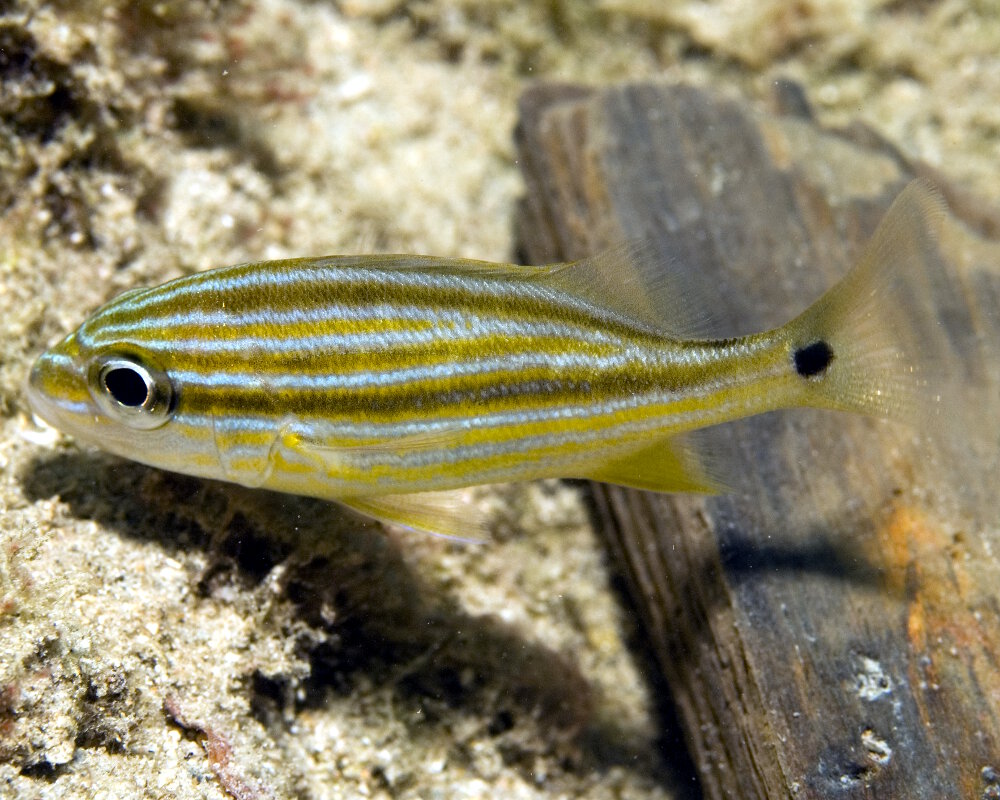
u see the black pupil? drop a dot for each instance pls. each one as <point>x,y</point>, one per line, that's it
<point>126,386</point>
<point>813,359</point>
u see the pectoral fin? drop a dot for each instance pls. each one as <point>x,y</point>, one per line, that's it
<point>331,447</point>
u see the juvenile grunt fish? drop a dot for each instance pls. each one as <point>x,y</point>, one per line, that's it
<point>374,380</point>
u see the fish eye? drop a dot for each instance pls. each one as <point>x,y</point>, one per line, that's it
<point>131,392</point>
<point>127,385</point>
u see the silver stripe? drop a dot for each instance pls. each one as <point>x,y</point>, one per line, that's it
<point>332,274</point>
<point>463,328</point>
<point>363,379</point>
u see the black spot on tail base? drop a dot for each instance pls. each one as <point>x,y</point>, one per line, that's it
<point>813,359</point>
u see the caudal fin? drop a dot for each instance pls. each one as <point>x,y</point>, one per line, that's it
<point>872,343</point>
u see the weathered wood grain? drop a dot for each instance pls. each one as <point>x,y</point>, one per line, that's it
<point>832,628</point>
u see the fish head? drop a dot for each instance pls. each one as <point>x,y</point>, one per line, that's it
<point>112,393</point>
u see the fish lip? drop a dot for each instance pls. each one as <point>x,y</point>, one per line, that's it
<point>39,402</point>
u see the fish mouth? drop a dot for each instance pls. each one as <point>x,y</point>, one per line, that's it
<point>56,393</point>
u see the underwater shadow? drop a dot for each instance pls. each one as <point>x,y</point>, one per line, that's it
<point>745,560</point>
<point>367,616</point>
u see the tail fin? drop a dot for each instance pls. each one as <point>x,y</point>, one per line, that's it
<point>872,343</point>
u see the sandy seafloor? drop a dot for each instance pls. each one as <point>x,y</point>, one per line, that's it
<point>166,637</point>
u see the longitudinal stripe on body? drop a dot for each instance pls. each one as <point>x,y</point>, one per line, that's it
<point>301,292</point>
<point>301,274</point>
<point>323,354</point>
<point>483,455</point>
<point>286,280</point>
<point>259,428</point>
<point>478,392</point>
<point>533,456</point>
<point>439,372</point>
<point>338,338</point>
<point>480,387</point>
<point>520,431</point>
<point>191,333</point>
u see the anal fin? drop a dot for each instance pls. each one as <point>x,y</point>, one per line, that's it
<point>668,465</point>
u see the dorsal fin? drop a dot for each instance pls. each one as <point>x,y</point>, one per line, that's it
<point>634,281</point>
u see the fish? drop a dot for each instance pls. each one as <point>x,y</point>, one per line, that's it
<point>389,383</point>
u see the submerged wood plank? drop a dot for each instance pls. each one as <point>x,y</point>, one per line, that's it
<point>832,627</point>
